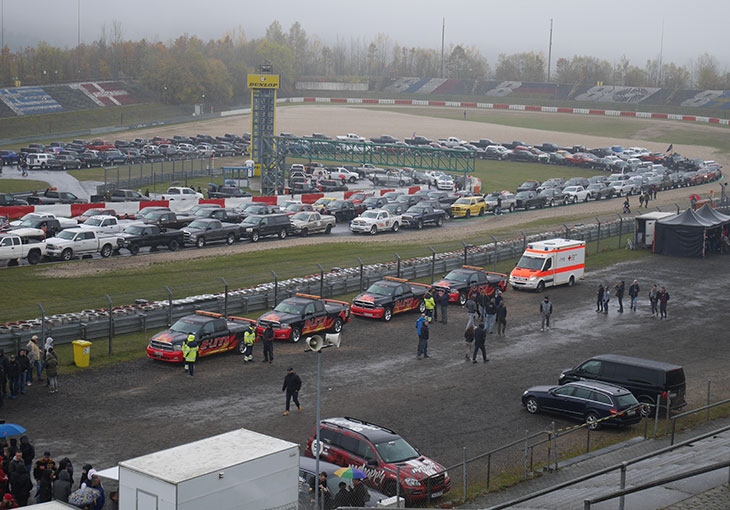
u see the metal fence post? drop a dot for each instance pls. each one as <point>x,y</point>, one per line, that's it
<point>276,289</point>
<point>677,206</point>
<point>666,422</point>
<point>464,499</point>
<point>225,298</point>
<point>494,253</point>
<point>397,274</point>
<point>588,439</point>
<point>549,445</point>
<point>620,229</point>
<point>527,448</point>
<point>555,446</point>
<point>465,254</point>
<point>524,241</point>
<point>708,401</point>
<point>397,487</point>
<point>656,413</point>
<point>321,280</point>
<point>43,332</point>
<point>433,263</point>
<point>111,322</point>
<point>598,237</point>
<point>169,307</point>
<point>567,231</point>
<point>361,272</point>
<point>489,468</point>
<point>623,485</point>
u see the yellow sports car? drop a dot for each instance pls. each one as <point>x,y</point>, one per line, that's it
<point>467,206</point>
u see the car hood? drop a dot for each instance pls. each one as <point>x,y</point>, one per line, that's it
<point>539,389</point>
<point>374,299</point>
<point>449,284</point>
<point>170,337</point>
<point>192,230</point>
<point>280,317</point>
<point>420,468</point>
<point>27,232</point>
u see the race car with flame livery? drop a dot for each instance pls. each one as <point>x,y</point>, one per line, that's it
<point>389,296</point>
<point>460,282</point>
<point>213,333</point>
<point>304,314</point>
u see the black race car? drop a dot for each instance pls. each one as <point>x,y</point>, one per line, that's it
<point>460,282</point>
<point>390,296</point>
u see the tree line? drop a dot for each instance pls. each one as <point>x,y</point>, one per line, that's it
<point>189,70</point>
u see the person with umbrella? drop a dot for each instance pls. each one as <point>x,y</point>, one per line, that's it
<point>359,493</point>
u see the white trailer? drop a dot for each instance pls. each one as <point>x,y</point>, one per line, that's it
<point>549,263</point>
<point>644,227</point>
<point>235,470</point>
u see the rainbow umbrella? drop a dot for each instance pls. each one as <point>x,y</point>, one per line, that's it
<point>350,473</point>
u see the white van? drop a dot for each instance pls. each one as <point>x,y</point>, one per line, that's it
<point>549,263</point>
<point>40,160</point>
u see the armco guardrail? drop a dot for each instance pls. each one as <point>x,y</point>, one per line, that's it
<point>144,315</point>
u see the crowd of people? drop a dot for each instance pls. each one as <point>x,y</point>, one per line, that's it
<point>658,298</point>
<point>24,482</point>
<point>346,496</point>
<point>17,371</point>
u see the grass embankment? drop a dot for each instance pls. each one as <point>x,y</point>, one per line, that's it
<point>63,122</point>
<point>18,185</point>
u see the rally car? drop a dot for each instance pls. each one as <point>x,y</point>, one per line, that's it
<point>213,332</point>
<point>460,282</point>
<point>390,296</point>
<point>303,314</point>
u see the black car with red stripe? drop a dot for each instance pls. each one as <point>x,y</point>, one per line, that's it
<point>303,314</point>
<point>389,296</point>
<point>459,283</point>
<point>213,334</point>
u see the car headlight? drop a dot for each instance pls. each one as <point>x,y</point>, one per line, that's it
<point>193,236</point>
<point>532,277</point>
<point>524,393</point>
<point>412,482</point>
<point>285,326</point>
<point>249,230</point>
<point>446,474</point>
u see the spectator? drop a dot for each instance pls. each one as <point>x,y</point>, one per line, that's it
<point>34,357</point>
<point>62,486</point>
<point>546,310</point>
<point>634,294</point>
<point>292,385</point>
<point>423,335</point>
<point>45,487</point>
<point>96,485</point>
<point>13,373</point>
<point>480,336</point>
<point>359,494</point>
<point>490,310</point>
<point>8,501</point>
<point>342,498</point>
<point>444,306</point>
<point>471,309</point>
<point>85,470</point>
<point>65,465</point>
<point>28,452</point>
<point>17,463</point>
<point>653,297</point>
<point>606,298</point>
<point>52,370</point>
<point>501,317</point>
<point>20,486</point>
<point>268,340</point>
<point>4,366</point>
<point>599,298</point>
<point>663,298</point>
<point>43,465</point>
<point>620,296</point>
<point>469,339</point>
<point>25,368</point>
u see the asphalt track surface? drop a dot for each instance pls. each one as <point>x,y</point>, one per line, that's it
<point>440,404</point>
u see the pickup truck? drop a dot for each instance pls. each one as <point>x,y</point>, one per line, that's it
<point>368,170</point>
<point>9,200</point>
<point>62,222</point>
<point>375,220</point>
<point>40,228</point>
<point>418,140</point>
<point>575,194</point>
<point>9,158</point>
<point>229,192</point>
<point>14,247</point>
<point>423,214</point>
<point>167,219</point>
<point>389,296</point>
<point>384,139</point>
<point>99,145</point>
<point>452,141</point>
<point>303,314</point>
<point>136,236</point>
<point>213,334</point>
<point>310,222</point>
<point>177,193</point>
<point>127,195</point>
<point>460,282</point>
<point>80,241</point>
<point>49,197</point>
<point>351,137</point>
<point>104,224</point>
<point>206,230</point>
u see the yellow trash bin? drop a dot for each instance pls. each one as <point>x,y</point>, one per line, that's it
<point>82,353</point>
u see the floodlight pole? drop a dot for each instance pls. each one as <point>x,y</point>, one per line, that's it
<point>318,501</point>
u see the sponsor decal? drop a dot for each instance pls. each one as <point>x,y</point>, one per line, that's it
<point>424,467</point>
<point>376,476</point>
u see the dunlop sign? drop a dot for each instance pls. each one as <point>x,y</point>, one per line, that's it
<point>263,81</point>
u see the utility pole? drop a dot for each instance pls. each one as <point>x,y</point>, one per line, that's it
<point>550,48</point>
<point>2,24</point>
<point>443,30</point>
<point>78,24</point>
<point>661,55</point>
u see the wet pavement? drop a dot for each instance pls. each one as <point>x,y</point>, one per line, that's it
<point>440,404</point>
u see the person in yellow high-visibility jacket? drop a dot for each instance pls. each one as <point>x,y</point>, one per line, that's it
<point>190,353</point>
<point>249,338</point>
<point>430,305</point>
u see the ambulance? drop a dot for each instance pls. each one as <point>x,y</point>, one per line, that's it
<point>549,263</point>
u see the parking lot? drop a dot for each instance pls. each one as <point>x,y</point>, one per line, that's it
<point>440,404</point>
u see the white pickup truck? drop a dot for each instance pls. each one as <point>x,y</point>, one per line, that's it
<point>80,241</point>
<point>177,193</point>
<point>65,222</point>
<point>452,141</point>
<point>104,224</point>
<point>14,247</point>
<point>374,221</point>
<point>351,137</point>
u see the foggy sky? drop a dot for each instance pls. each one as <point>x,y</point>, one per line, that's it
<point>605,29</point>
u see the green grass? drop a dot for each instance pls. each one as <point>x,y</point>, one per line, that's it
<point>63,122</point>
<point>16,185</point>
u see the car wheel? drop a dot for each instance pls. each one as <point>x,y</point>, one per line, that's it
<point>588,197</point>
<point>647,406</point>
<point>419,224</point>
<point>375,181</point>
<point>255,237</point>
<point>43,166</point>
<point>353,180</point>
<point>373,230</point>
<point>106,250</point>
<point>481,212</point>
<point>468,214</point>
<point>541,286</point>
<point>34,257</point>
<point>512,208</point>
<point>552,202</point>
<point>296,335</point>
<point>401,183</point>
<point>462,298</point>
<point>328,229</point>
<point>304,232</point>
<point>531,405</point>
<point>387,314</point>
<point>337,326</point>
<point>282,234</point>
<point>173,245</point>
<point>439,221</point>
<point>63,167</point>
<point>133,249</point>
<point>422,307</point>
<point>395,227</point>
<point>241,347</point>
<point>66,254</point>
<point>200,242</point>
<point>230,239</point>
<point>592,421</point>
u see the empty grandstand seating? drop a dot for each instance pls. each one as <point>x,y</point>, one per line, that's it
<point>69,97</point>
<point>29,101</point>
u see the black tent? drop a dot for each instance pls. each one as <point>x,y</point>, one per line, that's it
<point>707,212</point>
<point>683,235</point>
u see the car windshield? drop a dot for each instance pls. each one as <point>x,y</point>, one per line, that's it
<point>93,222</point>
<point>380,290</point>
<point>527,262</point>
<point>370,214</point>
<point>627,400</point>
<point>524,194</point>
<point>371,201</point>
<point>184,326</point>
<point>30,223</point>
<point>396,451</point>
<point>198,224</point>
<point>134,230</point>
<point>93,212</point>
<point>463,201</point>
<point>154,215</point>
<point>289,307</point>
<point>253,220</point>
<point>293,207</point>
<point>457,276</point>
<point>301,216</point>
<point>65,234</point>
<point>323,201</point>
<point>202,213</point>
<point>336,203</point>
<point>417,210</point>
